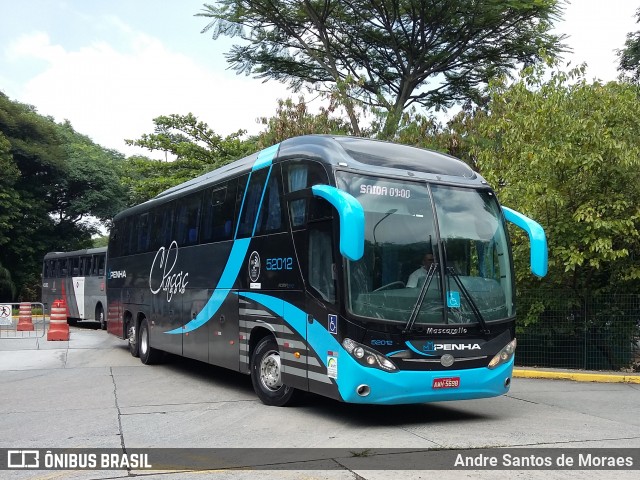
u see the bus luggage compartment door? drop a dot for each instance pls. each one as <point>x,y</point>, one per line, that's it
<point>224,333</point>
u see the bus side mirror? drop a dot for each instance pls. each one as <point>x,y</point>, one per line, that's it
<point>537,238</point>
<point>351,219</point>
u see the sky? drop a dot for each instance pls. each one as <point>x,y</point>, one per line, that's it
<point>111,66</point>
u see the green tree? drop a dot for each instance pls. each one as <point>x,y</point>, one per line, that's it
<point>294,119</point>
<point>102,241</point>
<point>55,186</point>
<point>194,148</point>
<point>629,56</point>
<point>90,192</point>
<point>184,137</point>
<point>566,152</point>
<point>9,199</point>
<point>145,178</point>
<point>7,286</point>
<point>387,54</point>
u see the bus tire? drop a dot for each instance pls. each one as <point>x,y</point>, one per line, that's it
<point>266,375</point>
<point>132,337</point>
<point>148,354</point>
<point>100,317</point>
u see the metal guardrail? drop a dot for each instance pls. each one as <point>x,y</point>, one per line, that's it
<point>10,319</point>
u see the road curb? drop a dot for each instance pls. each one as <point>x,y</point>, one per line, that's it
<point>576,376</point>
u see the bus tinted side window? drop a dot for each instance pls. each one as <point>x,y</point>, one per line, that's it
<point>101,263</point>
<point>115,238</point>
<point>249,201</point>
<point>218,213</point>
<point>74,265</point>
<point>187,220</point>
<point>130,236</point>
<point>85,266</point>
<point>64,271</point>
<point>161,229</point>
<point>299,175</point>
<point>142,243</point>
<point>270,218</point>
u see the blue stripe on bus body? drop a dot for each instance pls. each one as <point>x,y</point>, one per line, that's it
<point>399,387</point>
<point>395,352</point>
<point>265,157</point>
<point>236,256</point>
<point>227,279</point>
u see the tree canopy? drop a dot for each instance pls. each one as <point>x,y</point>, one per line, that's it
<point>194,149</point>
<point>387,54</point>
<point>56,189</point>
<point>566,152</point>
<point>629,56</point>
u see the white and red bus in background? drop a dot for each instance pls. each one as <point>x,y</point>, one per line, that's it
<point>78,278</point>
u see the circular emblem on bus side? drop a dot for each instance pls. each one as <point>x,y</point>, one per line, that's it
<point>254,266</point>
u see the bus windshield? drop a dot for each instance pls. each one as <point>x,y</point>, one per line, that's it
<point>435,254</point>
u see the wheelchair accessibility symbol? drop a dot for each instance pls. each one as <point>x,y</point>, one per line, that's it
<point>333,324</point>
<point>453,299</point>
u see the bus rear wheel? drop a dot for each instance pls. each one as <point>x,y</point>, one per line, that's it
<point>148,354</point>
<point>266,375</point>
<point>132,336</point>
<point>100,317</point>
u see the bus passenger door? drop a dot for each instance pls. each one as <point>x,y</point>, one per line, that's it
<point>78,293</point>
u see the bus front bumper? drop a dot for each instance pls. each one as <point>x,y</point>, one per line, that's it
<point>360,384</point>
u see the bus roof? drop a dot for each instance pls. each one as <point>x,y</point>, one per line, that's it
<point>76,253</point>
<point>370,156</point>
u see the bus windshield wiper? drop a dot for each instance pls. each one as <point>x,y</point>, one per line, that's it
<point>423,293</point>
<point>472,303</point>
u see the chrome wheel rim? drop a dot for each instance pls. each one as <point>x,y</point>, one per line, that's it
<point>270,371</point>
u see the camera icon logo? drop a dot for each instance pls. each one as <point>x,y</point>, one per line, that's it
<point>23,459</point>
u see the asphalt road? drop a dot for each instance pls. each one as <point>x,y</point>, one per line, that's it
<point>90,393</point>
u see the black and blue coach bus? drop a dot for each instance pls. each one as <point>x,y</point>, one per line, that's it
<point>361,270</point>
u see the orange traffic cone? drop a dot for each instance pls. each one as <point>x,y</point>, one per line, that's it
<point>58,328</point>
<point>25,322</point>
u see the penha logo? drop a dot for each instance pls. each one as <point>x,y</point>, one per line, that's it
<point>161,276</point>
<point>117,274</point>
<point>436,347</point>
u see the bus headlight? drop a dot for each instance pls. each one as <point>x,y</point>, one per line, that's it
<point>367,356</point>
<point>504,355</point>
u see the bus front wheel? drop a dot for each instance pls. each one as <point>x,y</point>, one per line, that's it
<point>266,375</point>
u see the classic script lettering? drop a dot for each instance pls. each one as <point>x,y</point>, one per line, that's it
<point>161,276</point>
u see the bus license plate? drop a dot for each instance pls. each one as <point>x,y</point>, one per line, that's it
<point>451,382</point>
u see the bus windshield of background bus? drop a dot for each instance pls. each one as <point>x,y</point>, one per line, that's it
<point>401,244</point>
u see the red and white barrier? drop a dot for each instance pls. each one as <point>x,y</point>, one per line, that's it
<point>25,321</point>
<point>58,327</point>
